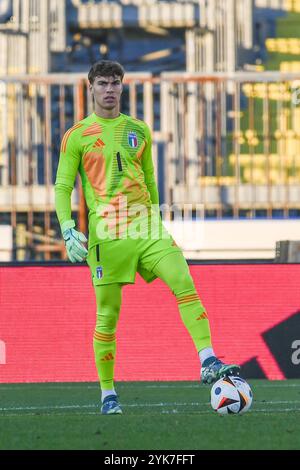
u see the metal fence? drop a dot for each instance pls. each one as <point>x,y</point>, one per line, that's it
<point>229,141</point>
<point>234,142</point>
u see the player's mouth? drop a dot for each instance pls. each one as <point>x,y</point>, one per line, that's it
<point>110,99</point>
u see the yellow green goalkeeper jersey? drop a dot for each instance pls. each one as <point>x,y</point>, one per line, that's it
<point>114,159</point>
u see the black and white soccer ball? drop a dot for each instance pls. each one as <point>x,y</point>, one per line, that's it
<point>231,395</point>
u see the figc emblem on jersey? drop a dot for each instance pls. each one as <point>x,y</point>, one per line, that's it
<point>99,272</point>
<point>132,140</point>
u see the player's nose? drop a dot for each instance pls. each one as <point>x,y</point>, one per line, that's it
<point>109,87</point>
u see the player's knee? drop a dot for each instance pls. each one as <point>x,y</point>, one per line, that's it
<point>107,319</point>
<point>183,284</point>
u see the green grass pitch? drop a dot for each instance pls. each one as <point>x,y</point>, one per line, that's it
<point>157,416</point>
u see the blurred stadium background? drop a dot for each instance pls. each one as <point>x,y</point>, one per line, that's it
<point>218,81</point>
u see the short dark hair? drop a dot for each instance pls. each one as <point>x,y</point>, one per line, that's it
<point>106,68</point>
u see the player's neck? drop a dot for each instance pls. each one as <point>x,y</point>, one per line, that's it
<point>107,113</point>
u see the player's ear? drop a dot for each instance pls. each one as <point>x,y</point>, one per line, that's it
<point>91,89</point>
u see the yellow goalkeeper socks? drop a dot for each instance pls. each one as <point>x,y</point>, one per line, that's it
<point>105,352</point>
<point>108,299</point>
<point>174,271</point>
<point>195,318</point>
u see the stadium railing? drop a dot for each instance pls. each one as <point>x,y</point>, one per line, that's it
<point>228,141</point>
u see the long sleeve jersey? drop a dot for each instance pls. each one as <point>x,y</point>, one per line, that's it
<point>114,160</point>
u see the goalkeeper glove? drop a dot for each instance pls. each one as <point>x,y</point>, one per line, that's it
<point>73,241</point>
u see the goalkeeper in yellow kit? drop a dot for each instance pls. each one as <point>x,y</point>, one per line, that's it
<point>112,153</point>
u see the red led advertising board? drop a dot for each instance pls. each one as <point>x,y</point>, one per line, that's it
<point>47,318</point>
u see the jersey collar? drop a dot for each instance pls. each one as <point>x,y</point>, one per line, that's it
<point>110,121</point>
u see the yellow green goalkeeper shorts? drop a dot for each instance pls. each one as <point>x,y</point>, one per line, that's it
<point>118,261</point>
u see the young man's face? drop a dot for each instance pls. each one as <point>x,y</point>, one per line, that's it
<point>107,92</point>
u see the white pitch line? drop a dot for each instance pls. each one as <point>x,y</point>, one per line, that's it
<point>70,407</point>
<point>40,408</point>
<point>277,402</point>
<point>258,402</point>
<point>135,405</point>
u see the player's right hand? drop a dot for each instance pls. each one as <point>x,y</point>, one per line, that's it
<point>75,249</point>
